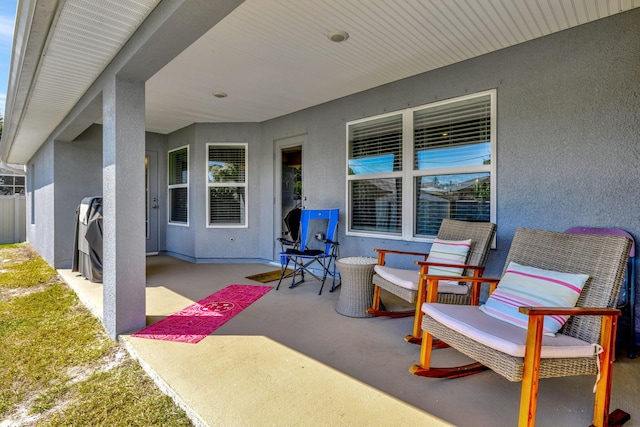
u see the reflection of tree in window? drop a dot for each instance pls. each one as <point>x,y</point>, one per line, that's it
<point>226,182</point>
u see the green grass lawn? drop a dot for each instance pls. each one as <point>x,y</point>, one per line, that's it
<point>57,365</point>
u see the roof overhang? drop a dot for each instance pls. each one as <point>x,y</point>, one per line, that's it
<point>271,57</point>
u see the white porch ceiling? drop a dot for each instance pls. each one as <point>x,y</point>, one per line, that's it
<point>273,57</point>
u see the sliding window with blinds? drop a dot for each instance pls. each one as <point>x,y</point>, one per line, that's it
<point>178,186</point>
<point>227,185</point>
<point>409,170</point>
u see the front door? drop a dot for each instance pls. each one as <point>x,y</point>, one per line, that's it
<point>288,182</point>
<point>151,203</point>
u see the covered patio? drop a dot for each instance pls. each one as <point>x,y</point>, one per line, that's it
<point>290,359</point>
<point>190,117</point>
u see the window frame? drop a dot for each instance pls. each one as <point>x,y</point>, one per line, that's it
<point>174,186</point>
<point>409,174</point>
<point>21,188</point>
<point>245,185</point>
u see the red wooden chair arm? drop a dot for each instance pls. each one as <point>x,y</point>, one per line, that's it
<point>467,279</point>
<point>478,270</point>
<point>569,311</point>
<point>431,284</point>
<point>392,251</point>
<point>383,252</point>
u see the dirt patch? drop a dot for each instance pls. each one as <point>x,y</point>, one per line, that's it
<point>23,252</point>
<point>8,293</point>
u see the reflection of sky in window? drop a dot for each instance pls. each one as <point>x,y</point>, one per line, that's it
<point>466,155</point>
<point>450,182</point>
<point>371,164</point>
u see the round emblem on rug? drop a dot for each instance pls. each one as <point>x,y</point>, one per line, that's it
<point>218,306</point>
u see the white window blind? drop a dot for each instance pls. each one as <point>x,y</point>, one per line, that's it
<point>375,167</point>
<point>455,134</point>
<point>226,184</point>
<point>376,146</point>
<point>179,185</point>
<point>452,154</point>
<point>448,150</point>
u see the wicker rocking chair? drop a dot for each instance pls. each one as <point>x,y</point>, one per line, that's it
<point>408,285</point>
<point>523,353</point>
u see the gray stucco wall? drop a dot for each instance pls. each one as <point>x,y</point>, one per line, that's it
<point>568,126</point>
<point>568,133</point>
<point>77,167</point>
<point>78,174</point>
<point>40,219</point>
<point>197,242</point>
<point>181,238</point>
<point>567,147</point>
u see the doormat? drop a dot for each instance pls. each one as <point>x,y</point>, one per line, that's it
<point>193,323</point>
<point>267,277</point>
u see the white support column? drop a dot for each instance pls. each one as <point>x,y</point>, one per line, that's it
<point>124,276</point>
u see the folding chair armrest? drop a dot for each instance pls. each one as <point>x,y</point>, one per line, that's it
<point>286,242</point>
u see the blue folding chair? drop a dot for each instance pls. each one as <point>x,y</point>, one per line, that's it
<point>315,250</point>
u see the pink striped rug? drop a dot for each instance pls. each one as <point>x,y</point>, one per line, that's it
<point>198,320</point>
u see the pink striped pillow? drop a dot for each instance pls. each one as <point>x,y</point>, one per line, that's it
<point>523,286</point>
<point>452,252</point>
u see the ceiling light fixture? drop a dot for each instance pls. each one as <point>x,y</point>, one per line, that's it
<point>220,94</point>
<point>338,36</point>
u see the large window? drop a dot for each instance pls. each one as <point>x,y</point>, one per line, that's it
<point>409,170</point>
<point>227,185</point>
<point>179,186</point>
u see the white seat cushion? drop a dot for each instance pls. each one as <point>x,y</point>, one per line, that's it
<point>502,336</point>
<point>408,279</point>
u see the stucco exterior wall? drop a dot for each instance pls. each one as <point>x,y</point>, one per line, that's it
<point>40,203</point>
<point>568,150</point>
<point>216,244</point>
<point>181,238</point>
<point>196,242</point>
<point>568,126</point>
<point>77,167</point>
<point>78,174</point>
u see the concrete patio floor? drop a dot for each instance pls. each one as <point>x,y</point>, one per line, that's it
<point>290,359</point>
